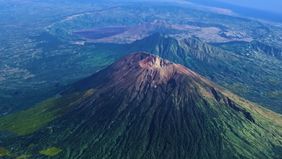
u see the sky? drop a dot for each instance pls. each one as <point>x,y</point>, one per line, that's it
<point>268,5</point>
<point>270,10</point>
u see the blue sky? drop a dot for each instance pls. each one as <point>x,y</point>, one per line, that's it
<point>269,5</point>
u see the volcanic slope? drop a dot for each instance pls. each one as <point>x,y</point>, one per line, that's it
<point>251,70</point>
<point>145,107</point>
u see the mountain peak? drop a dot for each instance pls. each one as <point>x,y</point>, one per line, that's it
<point>151,68</point>
<point>152,108</point>
<point>154,62</point>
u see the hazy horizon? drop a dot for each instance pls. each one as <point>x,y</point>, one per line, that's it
<point>270,5</point>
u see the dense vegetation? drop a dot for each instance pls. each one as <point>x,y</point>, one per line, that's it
<point>146,107</point>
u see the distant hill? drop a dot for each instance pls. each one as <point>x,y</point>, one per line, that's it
<point>251,70</point>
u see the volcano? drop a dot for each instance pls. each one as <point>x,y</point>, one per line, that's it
<point>143,107</point>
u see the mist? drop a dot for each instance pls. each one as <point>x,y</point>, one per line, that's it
<point>270,5</point>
